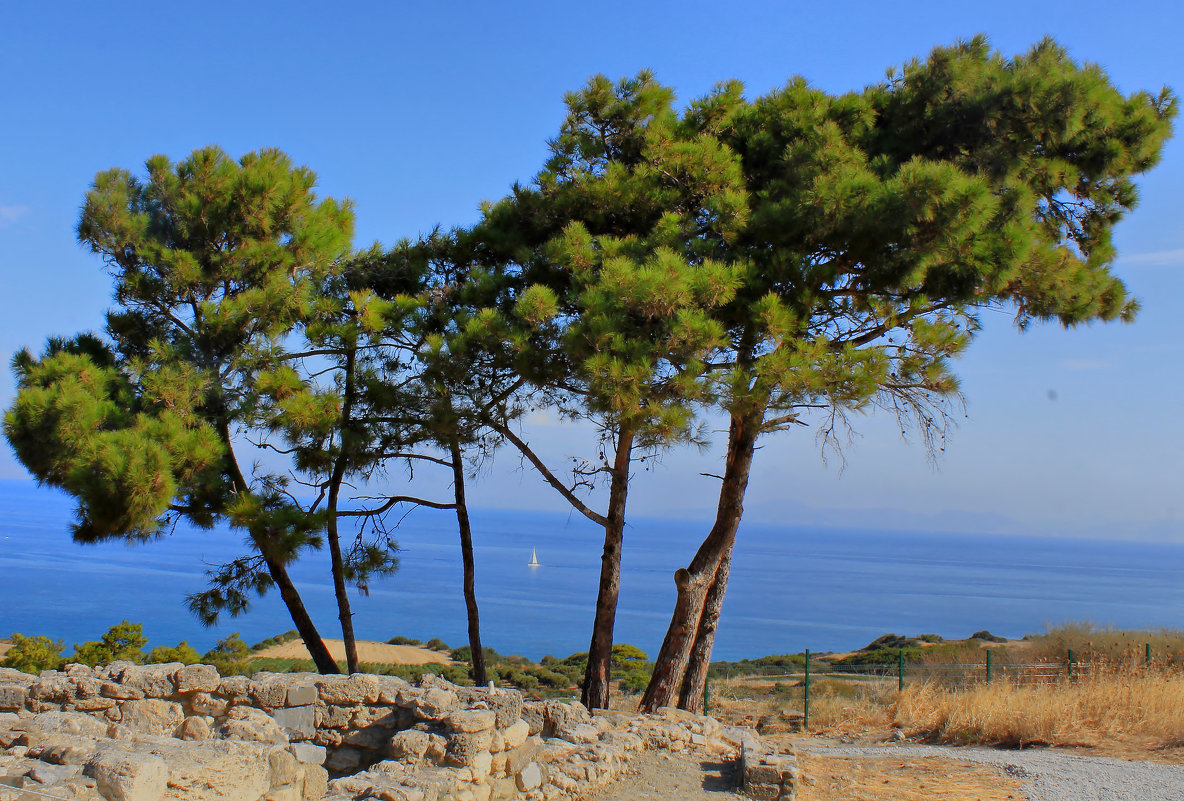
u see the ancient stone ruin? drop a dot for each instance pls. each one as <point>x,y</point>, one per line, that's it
<point>153,732</point>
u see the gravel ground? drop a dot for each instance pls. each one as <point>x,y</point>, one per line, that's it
<point>1045,775</point>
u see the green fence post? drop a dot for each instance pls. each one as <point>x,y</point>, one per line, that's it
<point>988,665</point>
<point>1070,663</point>
<point>900,671</point>
<point>806,702</point>
<point>706,694</point>
<point>1147,658</point>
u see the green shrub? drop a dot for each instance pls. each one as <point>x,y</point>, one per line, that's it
<point>436,644</point>
<point>183,652</point>
<point>33,654</point>
<point>231,656</point>
<point>403,641</point>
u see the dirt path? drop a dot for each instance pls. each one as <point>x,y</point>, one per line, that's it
<point>661,776</point>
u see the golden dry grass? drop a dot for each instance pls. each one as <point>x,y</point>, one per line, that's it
<point>378,653</point>
<point>1097,706</point>
<point>894,779</point>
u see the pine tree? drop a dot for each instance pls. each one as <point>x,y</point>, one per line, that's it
<point>879,225</point>
<point>215,262</point>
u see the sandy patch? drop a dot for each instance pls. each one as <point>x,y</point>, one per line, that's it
<point>4,646</point>
<point>378,653</point>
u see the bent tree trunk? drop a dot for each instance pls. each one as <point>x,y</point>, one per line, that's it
<point>279,573</point>
<point>691,631</point>
<point>300,617</point>
<point>595,694</point>
<point>344,613</point>
<point>470,569</point>
<point>690,697</point>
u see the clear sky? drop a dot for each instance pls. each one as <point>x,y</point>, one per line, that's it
<point>419,111</point>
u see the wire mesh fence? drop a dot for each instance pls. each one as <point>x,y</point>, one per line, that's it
<point>794,686</point>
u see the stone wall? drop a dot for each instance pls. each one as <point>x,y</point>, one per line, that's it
<point>152,732</point>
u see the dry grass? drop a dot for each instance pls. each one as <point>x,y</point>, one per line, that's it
<point>894,779</point>
<point>1100,705</point>
<point>378,653</point>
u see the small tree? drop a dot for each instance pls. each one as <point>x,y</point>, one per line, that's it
<point>124,641</point>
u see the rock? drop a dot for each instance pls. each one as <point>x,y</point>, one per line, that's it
<point>111,689</point>
<point>203,703</point>
<point>124,776</point>
<point>416,746</point>
<point>215,770</point>
<point>53,774</point>
<point>470,720</point>
<point>299,722</point>
<point>155,681</point>
<point>463,747</point>
<point>64,749</point>
<point>193,728</point>
<point>13,697</point>
<point>343,759</point>
<point>307,753</point>
<point>151,715</point>
<point>197,678</point>
<point>252,725</point>
<point>579,733</point>
<point>435,703</point>
<point>316,782</point>
<point>284,768</point>
<point>530,777</point>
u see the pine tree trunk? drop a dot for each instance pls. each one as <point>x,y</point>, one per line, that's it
<point>595,694</point>
<point>470,570</point>
<point>691,696</point>
<point>279,573</point>
<point>694,583</point>
<point>344,613</point>
<point>308,632</point>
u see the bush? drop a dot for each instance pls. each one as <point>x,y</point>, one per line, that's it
<point>987,636</point>
<point>436,644</point>
<point>231,656</point>
<point>403,641</point>
<point>183,652</point>
<point>33,654</point>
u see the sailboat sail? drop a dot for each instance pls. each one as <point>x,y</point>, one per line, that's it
<point>534,558</point>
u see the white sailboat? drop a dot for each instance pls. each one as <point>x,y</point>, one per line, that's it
<point>534,559</point>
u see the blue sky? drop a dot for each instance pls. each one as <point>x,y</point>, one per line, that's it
<point>419,112</point>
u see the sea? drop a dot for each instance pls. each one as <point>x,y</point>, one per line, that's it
<point>791,588</point>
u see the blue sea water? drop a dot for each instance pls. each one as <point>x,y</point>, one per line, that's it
<point>791,588</point>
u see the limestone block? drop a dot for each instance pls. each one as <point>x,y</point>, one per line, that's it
<point>53,687</point>
<point>284,768</point>
<point>215,770</point>
<point>389,688</point>
<point>481,766</point>
<point>365,716</point>
<point>578,733</point>
<point>299,722</point>
<point>516,734</point>
<point>193,727</point>
<point>517,758</point>
<point>252,725</point>
<point>14,676</point>
<point>197,678</point>
<point>481,792</point>
<point>36,706</point>
<point>204,703</point>
<point>501,789</point>
<point>470,720</point>
<point>434,703</point>
<point>334,717</point>
<point>46,724</point>
<point>94,704</point>
<point>267,692</point>
<point>156,681</point>
<point>12,697</point>
<point>288,792</point>
<point>357,688</point>
<point>85,686</point>
<point>498,763</point>
<point>316,782</point>
<point>530,777</point>
<point>301,694</point>
<point>64,749</point>
<point>112,689</point>
<point>151,715</point>
<point>54,774</point>
<point>622,740</point>
<point>464,747</point>
<point>235,688</point>
<point>416,746</point>
<point>373,738</point>
<point>307,753</point>
<point>127,776</point>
